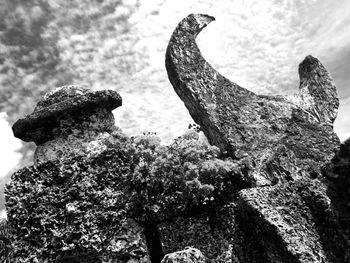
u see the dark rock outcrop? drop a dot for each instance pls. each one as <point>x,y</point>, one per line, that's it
<point>285,137</point>
<point>337,179</point>
<point>60,104</point>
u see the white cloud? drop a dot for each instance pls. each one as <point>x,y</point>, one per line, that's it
<point>341,124</point>
<point>257,44</point>
<point>3,214</point>
<point>8,146</point>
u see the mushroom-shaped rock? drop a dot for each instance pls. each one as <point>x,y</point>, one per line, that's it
<point>69,120</point>
<point>283,138</point>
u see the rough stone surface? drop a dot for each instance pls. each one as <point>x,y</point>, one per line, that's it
<point>69,121</point>
<point>134,180</point>
<point>212,232</point>
<point>188,255</point>
<point>62,104</point>
<point>337,178</point>
<point>291,213</point>
<point>67,210</point>
<point>286,138</point>
<point>292,222</point>
<point>77,135</point>
<point>276,192</point>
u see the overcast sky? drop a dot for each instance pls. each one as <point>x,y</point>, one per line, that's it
<point>257,44</point>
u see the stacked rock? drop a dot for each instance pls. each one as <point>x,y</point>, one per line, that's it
<point>67,207</point>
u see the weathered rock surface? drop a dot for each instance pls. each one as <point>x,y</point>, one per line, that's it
<point>188,255</point>
<point>61,105</point>
<point>290,213</point>
<point>73,210</point>
<point>292,222</point>
<point>108,206</point>
<point>67,207</point>
<point>212,232</point>
<point>69,121</point>
<point>276,192</point>
<point>337,178</point>
<point>284,137</point>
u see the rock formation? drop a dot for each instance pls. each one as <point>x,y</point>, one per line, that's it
<point>273,187</point>
<point>70,120</point>
<point>287,215</point>
<point>286,138</point>
<point>67,208</point>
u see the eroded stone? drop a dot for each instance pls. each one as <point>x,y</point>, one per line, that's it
<point>285,138</point>
<point>63,103</point>
<point>292,222</point>
<point>69,121</point>
<point>188,255</point>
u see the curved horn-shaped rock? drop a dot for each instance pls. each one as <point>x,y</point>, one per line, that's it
<point>275,132</point>
<point>203,90</point>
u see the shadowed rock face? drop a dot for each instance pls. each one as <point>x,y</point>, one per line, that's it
<point>284,138</point>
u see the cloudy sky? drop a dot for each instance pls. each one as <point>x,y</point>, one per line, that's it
<point>255,43</point>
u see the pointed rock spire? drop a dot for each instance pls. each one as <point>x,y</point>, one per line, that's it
<point>318,89</point>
